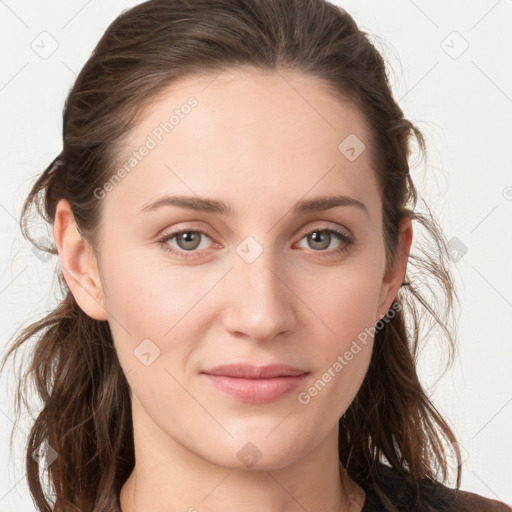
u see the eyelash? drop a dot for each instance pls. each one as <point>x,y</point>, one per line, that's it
<point>346,242</point>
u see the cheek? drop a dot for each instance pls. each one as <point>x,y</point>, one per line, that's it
<point>153,307</point>
<point>346,306</point>
<point>345,300</point>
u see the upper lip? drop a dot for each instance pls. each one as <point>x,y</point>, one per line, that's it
<point>255,372</point>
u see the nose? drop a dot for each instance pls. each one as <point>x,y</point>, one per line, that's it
<point>259,302</point>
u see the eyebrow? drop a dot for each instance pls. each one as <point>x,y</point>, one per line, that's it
<point>316,204</point>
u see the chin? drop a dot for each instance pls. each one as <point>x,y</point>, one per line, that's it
<point>255,453</point>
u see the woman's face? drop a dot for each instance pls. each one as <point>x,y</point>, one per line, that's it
<point>244,283</point>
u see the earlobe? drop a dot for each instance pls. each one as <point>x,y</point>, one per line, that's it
<point>395,273</point>
<point>78,263</point>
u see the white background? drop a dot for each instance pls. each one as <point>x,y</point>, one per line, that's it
<point>464,107</point>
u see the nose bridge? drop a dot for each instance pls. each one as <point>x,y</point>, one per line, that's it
<point>259,304</point>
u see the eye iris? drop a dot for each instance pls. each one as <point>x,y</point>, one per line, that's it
<point>320,236</point>
<point>190,239</point>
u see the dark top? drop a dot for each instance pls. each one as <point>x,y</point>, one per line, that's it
<point>426,496</point>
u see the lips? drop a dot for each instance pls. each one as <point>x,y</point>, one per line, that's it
<point>256,372</point>
<point>255,384</point>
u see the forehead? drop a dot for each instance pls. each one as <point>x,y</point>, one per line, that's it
<point>257,132</point>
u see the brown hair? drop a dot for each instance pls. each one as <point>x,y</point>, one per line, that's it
<point>86,407</point>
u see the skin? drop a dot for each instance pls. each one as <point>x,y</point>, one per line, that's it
<point>272,145</point>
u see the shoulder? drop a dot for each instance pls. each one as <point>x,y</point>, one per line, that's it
<point>470,501</point>
<point>391,491</point>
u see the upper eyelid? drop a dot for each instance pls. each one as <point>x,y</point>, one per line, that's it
<point>325,227</point>
<point>321,226</point>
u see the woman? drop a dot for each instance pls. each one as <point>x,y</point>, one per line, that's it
<point>241,347</point>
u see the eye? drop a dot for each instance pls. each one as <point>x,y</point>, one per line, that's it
<point>321,238</point>
<point>187,241</point>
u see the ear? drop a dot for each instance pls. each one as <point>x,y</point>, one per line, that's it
<point>395,273</point>
<point>78,263</point>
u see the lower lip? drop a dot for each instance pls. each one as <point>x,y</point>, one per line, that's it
<point>256,391</point>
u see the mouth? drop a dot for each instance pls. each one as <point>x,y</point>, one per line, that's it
<point>255,384</point>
